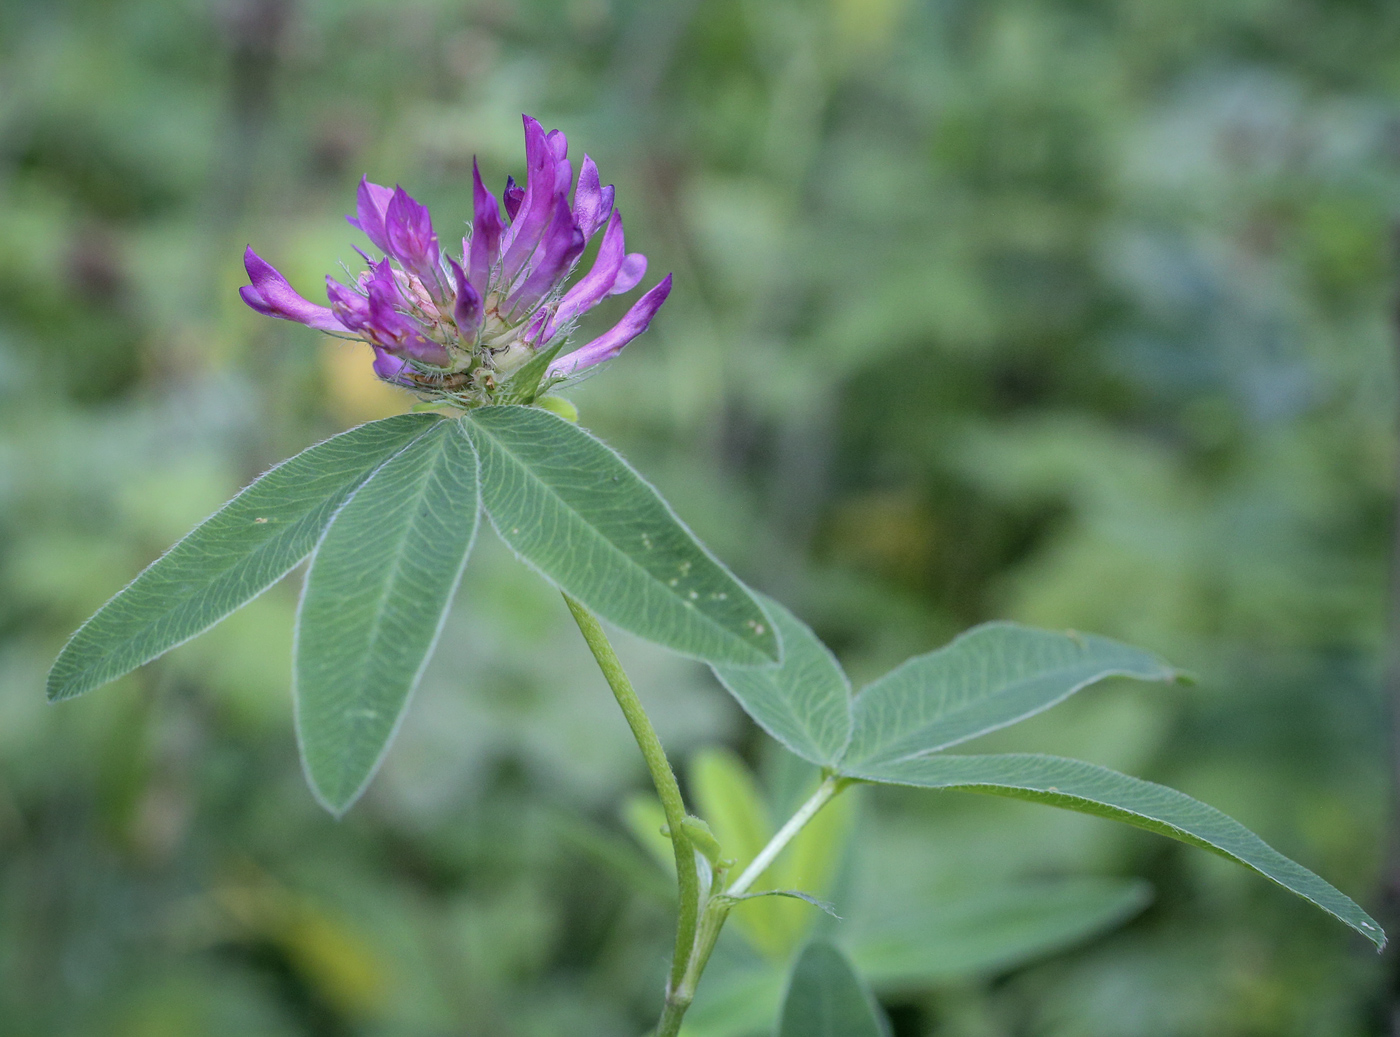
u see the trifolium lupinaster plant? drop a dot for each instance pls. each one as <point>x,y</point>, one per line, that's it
<point>388,511</point>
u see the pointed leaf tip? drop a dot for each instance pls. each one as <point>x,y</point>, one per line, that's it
<point>1091,789</point>
<point>826,998</point>
<point>230,558</point>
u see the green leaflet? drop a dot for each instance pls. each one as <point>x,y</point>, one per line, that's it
<point>524,385</point>
<point>573,509</point>
<point>825,998</point>
<point>991,676</point>
<point>232,557</point>
<point>375,599</point>
<point>806,702</point>
<point>1091,789</point>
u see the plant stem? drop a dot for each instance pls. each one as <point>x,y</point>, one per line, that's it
<point>718,907</point>
<point>826,791</point>
<point>664,778</point>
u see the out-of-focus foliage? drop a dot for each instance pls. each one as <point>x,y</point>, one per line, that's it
<point>1067,311</point>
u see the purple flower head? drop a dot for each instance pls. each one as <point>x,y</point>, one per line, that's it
<point>452,327</point>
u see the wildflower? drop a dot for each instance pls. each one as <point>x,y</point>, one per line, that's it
<point>455,327</point>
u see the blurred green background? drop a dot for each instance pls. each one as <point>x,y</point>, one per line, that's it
<point>1069,311</point>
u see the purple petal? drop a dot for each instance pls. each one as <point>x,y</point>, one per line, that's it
<point>514,194</point>
<point>532,330</point>
<point>382,281</point>
<point>349,306</point>
<point>592,202</point>
<point>563,242</point>
<point>387,327</point>
<point>412,240</point>
<point>270,293</point>
<point>387,366</point>
<point>486,234</point>
<point>610,343</point>
<point>466,310</point>
<point>594,287</point>
<point>558,145</point>
<point>634,268</point>
<point>537,206</point>
<point>400,335</point>
<point>372,201</point>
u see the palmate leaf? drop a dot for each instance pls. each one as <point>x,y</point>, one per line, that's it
<point>375,599</point>
<point>825,998</point>
<point>573,509</point>
<point>806,702</point>
<point>231,558</point>
<point>1091,789</point>
<point>987,678</point>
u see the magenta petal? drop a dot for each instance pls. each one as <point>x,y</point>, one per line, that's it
<point>271,294</point>
<point>594,286</point>
<point>467,310</point>
<point>560,249</point>
<point>610,343</point>
<point>634,268</point>
<point>372,201</point>
<point>513,196</point>
<point>558,145</point>
<point>387,327</point>
<point>349,306</point>
<point>412,240</point>
<point>592,201</point>
<point>537,206</point>
<point>487,228</point>
<point>387,366</point>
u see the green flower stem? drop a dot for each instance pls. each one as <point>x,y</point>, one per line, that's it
<point>825,793</point>
<point>719,905</point>
<point>664,778</point>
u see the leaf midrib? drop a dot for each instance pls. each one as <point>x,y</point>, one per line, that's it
<point>617,550</point>
<point>942,718</point>
<point>360,686</point>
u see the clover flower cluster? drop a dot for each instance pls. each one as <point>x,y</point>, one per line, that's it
<point>455,328</point>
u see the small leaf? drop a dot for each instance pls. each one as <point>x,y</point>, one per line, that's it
<point>1091,789</point>
<point>791,894</point>
<point>573,509</point>
<point>229,559</point>
<point>825,998</point>
<point>524,385</point>
<point>991,676</point>
<point>806,702</point>
<point>375,599</point>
